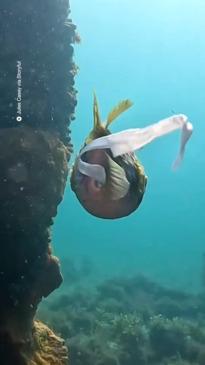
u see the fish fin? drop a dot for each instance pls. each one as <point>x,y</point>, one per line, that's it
<point>117,110</point>
<point>96,113</point>
<point>98,129</point>
<point>117,183</point>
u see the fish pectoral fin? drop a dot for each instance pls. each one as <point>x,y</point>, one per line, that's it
<point>117,110</point>
<point>117,183</point>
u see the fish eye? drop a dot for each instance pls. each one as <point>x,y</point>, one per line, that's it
<point>94,186</point>
<point>98,184</point>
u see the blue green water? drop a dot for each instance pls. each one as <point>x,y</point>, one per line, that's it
<point>152,52</point>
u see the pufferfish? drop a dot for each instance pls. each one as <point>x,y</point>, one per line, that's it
<point>107,177</point>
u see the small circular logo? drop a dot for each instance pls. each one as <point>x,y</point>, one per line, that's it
<point>19,119</point>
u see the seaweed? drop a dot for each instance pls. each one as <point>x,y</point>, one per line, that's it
<point>120,322</point>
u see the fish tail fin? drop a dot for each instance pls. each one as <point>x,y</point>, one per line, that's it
<point>96,113</point>
<point>121,107</point>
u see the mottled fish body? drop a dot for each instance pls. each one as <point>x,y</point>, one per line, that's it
<point>107,178</point>
<point>107,186</point>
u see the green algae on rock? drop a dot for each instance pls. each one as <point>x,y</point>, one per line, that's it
<point>120,322</point>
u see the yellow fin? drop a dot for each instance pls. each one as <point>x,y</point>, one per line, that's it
<point>119,109</point>
<point>117,185</point>
<point>96,113</point>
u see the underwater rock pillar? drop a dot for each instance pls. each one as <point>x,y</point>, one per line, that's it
<point>37,104</point>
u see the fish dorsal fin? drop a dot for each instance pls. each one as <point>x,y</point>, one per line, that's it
<point>96,113</point>
<point>117,110</point>
<point>98,129</point>
<point>117,184</point>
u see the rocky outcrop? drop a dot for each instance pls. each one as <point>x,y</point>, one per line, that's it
<point>37,104</point>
